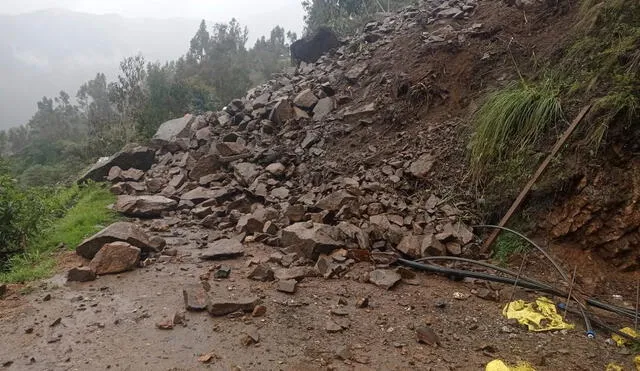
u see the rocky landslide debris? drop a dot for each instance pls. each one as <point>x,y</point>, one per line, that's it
<point>261,171</point>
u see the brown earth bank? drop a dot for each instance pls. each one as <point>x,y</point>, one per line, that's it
<point>283,216</point>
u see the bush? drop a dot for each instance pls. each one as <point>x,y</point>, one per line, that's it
<point>510,121</point>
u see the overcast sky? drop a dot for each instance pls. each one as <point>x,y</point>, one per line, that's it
<point>259,15</point>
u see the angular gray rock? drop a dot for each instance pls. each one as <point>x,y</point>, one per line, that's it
<point>115,257</point>
<point>421,167</point>
<point>199,195</point>
<point>195,298</point>
<point>295,273</point>
<point>230,148</point>
<point>336,200</point>
<point>262,272</point>
<point>411,246</point>
<point>305,99</point>
<point>170,132</point>
<point>224,306</point>
<point>131,156</point>
<point>144,206</point>
<point>287,286</point>
<point>246,172</point>
<point>120,231</point>
<point>312,239</point>
<point>324,107</point>
<point>222,249</point>
<point>384,278</point>
<point>282,112</point>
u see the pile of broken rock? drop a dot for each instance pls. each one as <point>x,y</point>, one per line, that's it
<point>258,172</point>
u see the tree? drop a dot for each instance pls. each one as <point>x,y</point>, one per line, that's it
<point>199,44</point>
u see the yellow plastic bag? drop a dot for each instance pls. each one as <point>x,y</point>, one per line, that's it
<point>538,316</point>
<point>613,367</point>
<point>499,365</point>
<point>622,341</point>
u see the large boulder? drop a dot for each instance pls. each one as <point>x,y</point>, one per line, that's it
<point>309,49</point>
<point>120,231</point>
<point>144,206</point>
<point>171,133</point>
<point>115,257</point>
<point>312,239</point>
<point>132,156</point>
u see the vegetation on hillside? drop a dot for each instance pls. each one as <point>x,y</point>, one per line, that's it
<point>66,133</point>
<point>68,216</point>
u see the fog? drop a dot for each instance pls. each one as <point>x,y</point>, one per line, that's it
<point>52,45</point>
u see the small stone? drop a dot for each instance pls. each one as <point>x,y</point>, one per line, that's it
<point>179,318</point>
<point>223,249</point>
<point>223,272</point>
<point>56,322</point>
<point>47,297</point>
<point>259,311</point>
<point>276,169</point>
<point>460,296</point>
<point>250,337</point>
<point>421,167</point>
<point>332,327</point>
<point>224,306</point>
<point>362,303</point>
<point>165,324</point>
<point>384,278</point>
<point>295,213</point>
<point>195,298</point>
<point>287,286</point>
<point>80,274</point>
<point>3,289</point>
<point>426,335</point>
<point>262,272</point>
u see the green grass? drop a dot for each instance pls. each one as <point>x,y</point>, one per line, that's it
<point>87,216</point>
<point>511,121</point>
<point>507,245</point>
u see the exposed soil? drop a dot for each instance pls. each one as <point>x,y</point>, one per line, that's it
<point>111,324</point>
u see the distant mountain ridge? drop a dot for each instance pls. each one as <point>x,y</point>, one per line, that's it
<point>47,51</point>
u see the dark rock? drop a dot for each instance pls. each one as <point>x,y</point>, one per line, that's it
<point>3,289</point>
<point>295,213</point>
<point>454,248</point>
<point>309,49</point>
<point>224,306</point>
<point>223,272</point>
<point>199,194</point>
<point>223,249</point>
<point>155,185</point>
<point>115,257</point>
<point>384,278</point>
<point>295,273</point>
<point>425,334</point>
<point>157,243</point>
<point>336,200</point>
<point>312,239</point>
<point>262,272</point>
<point>195,298</point>
<point>250,224</point>
<point>120,231</point>
<point>80,274</point>
<point>131,156</point>
<point>144,206</point>
<point>230,148</point>
<point>205,165</point>
<point>288,286</point>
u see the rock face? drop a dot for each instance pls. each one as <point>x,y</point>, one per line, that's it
<point>120,231</point>
<point>144,206</point>
<point>310,49</point>
<point>115,257</point>
<point>132,156</point>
